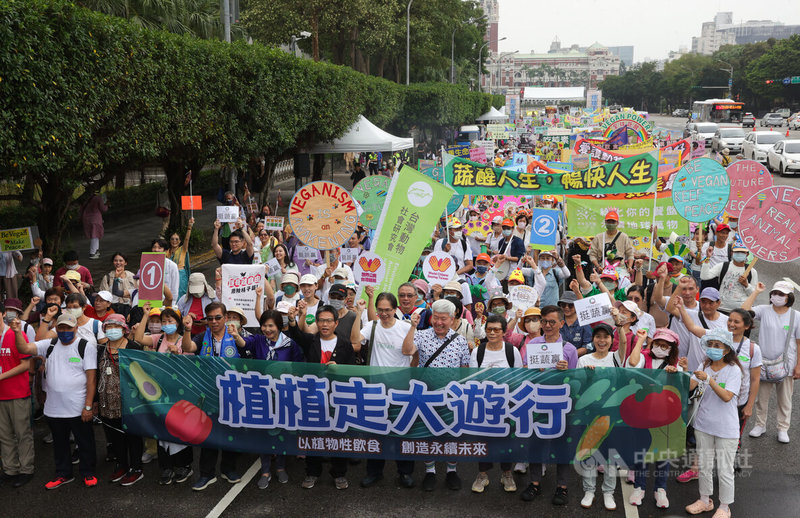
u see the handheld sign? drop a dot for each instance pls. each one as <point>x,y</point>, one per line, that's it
<point>369,269</point>
<point>370,193</point>
<point>239,283</point>
<point>439,267</point>
<point>746,177</point>
<point>701,190</point>
<point>323,215</point>
<point>306,253</point>
<point>15,239</point>
<point>151,279</point>
<point>522,297</point>
<point>478,154</point>
<point>348,255</point>
<point>192,203</point>
<point>227,213</point>
<point>477,228</point>
<point>544,229</point>
<point>544,355</point>
<point>273,222</point>
<point>770,224</point>
<point>273,267</point>
<point>593,309</point>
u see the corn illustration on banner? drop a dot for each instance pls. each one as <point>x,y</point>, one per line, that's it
<point>514,415</point>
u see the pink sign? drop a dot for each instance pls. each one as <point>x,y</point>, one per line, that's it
<point>151,279</point>
<point>746,177</point>
<point>769,224</point>
<point>477,154</point>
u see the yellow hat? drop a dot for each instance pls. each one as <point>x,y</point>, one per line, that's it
<point>516,275</point>
<point>72,275</point>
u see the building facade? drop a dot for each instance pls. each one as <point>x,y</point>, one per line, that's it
<point>722,31</point>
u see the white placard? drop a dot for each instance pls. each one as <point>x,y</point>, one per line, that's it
<point>239,282</point>
<point>369,269</point>
<point>273,267</point>
<point>284,306</point>
<point>522,297</point>
<point>306,253</point>
<point>593,309</point>
<point>544,355</point>
<point>439,267</point>
<point>348,255</point>
<point>227,213</point>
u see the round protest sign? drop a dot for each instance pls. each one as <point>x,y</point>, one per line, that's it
<point>371,194</point>
<point>746,177</point>
<point>522,297</point>
<point>323,215</point>
<point>769,224</point>
<point>455,203</point>
<point>369,269</point>
<point>701,190</point>
<point>477,228</point>
<point>439,267</point>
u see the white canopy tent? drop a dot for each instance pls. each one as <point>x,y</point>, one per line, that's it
<point>493,115</point>
<point>363,136</point>
<point>543,94</point>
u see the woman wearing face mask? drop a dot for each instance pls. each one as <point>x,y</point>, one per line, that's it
<point>481,279</point>
<point>235,317</point>
<point>716,424</point>
<point>554,272</point>
<point>281,254</point>
<point>88,328</point>
<point>728,276</point>
<point>522,230</point>
<point>498,305</point>
<point>289,293</point>
<point>199,294</point>
<point>127,448</point>
<point>271,345</point>
<point>779,335</point>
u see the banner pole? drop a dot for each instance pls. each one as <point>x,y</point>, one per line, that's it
<point>652,225</point>
<point>191,197</point>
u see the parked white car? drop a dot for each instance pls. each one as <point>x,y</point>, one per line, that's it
<point>705,131</point>
<point>784,157</point>
<point>757,143</point>
<point>794,121</point>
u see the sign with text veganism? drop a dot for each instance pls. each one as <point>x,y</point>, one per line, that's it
<point>405,413</point>
<point>635,174</point>
<point>323,215</point>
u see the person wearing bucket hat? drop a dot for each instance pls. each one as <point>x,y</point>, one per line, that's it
<point>708,316</point>
<point>779,337</point>
<point>497,304</point>
<point>716,423</point>
<point>289,289</point>
<point>235,317</point>
<point>127,448</point>
<point>728,277</point>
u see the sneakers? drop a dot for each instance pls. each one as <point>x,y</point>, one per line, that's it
<point>308,482</point>
<point>76,457</point>
<point>166,477</point>
<point>231,476</point>
<point>687,476</point>
<point>94,256</point>
<point>341,483</point>
<point>453,480</point>
<point>521,467</point>
<point>132,477</point>
<point>429,482</point>
<point>608,502</point>
<point>531,492</point>
<point>636,496</point>
<point>183,474</point>
<point>758,431</point>
<point>60,481</point>
<point>507,480</point>
<point>560,497</point>
<point>203,482</point>
<point>90,481</point>
<point>700,507</point>
<point>118,475</point>
<point>283,476</point>
<point>587,500</point>
<point>147,457</point>
<point>263,480</point>
<point>661,498</point>
<point>783,436</point>
<point>481,481</point>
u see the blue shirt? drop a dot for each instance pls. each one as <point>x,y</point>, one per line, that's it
<point>578,335</point>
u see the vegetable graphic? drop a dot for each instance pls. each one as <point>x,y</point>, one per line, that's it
<point>656,409</point>
<point>188,422</point>
<point>592,437</point>
<point>148,387</point>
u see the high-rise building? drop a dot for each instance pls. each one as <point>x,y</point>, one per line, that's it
<point>624,53</point>
<point>722,31</point>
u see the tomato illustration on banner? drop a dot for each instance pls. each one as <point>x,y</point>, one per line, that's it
<point>371,194</point>
<point>746,177</point>
<point>369,269</point>
<point>770,224</point>
<point>151,279</point>
<point>323,215</point>
<point>439,267</point>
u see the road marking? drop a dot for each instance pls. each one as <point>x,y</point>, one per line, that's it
<point>237,488</point>
<point>631,511</point>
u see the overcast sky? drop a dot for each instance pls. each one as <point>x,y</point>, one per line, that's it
<point>653,28</point>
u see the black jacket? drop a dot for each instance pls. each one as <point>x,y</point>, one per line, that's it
<point>343,353</point>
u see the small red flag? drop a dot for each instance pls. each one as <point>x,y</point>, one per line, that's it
<point>191,202</point>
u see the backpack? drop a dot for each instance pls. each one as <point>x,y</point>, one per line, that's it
<point>82,343</point>
<point>509,353</point>
<point>463,242</point>
<point>716,282</point>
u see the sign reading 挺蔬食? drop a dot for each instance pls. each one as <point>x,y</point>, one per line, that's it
<point>746,177</point>
<point>323,215</point>
<point>701,190</point>
<point>769,224</point>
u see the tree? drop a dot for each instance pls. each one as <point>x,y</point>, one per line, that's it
<point>777,62</point>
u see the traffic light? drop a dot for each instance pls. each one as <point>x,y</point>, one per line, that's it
<point>768,81</point>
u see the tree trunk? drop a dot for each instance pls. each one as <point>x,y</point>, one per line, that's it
<point>381,64</point>
<point>56,201</point>
<point>319,166</point>
<point>315,36</point>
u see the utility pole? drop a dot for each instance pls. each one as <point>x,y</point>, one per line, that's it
<point>480,62</point>
<point>408,40</point>
<point>226,19</point>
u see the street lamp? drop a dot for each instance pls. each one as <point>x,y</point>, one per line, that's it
<point>453,56</point>
<point>499,65</point>
<point>480,63</point>
<point>730,77</point>
<point>408,39</point>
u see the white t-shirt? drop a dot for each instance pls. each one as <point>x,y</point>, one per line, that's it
<point>714,416</point>
<point>66,377</point>
<point>772,333</point>
<point>747,364</point>
<point>646,321</point>
<point>697,355</point>
<point>720,255</point>
<point>456,252</point>
<point>494,358</point>
<point>608,361</point>
<point>387,349</point>
<point>86,331</point>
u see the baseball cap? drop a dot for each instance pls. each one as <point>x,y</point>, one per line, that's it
<point>105,295</point>
<point>67,320</point>
<point>340,272</point>
<point>630,306</point>
<point>508,223</point>
<point>612,215</point>
<point>668,335</point>
<point>308,278</point>
<point>12,303</point>
<point>783,287</point>
<point>568,297</point>
<point>339,290</point>
<point>710,294</point>
<point>421,285</point>
<point>484,257</point>
<point>602,327</point>
<point>739,248</point>
<point>47,260</point>
<point>290,278</point>
<point>722,226</point>
<point>497,220</point>
<point>675,258</point>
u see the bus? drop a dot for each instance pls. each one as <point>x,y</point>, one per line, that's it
<point>718,110</point>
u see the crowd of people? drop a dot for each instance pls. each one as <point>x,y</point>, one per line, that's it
<point>688,313</point>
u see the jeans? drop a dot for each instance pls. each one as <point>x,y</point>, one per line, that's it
<point>84,439</point>
<point>660,473</point>
<point>589,477</point>
<point>266,462</point>
<point>181,459</point>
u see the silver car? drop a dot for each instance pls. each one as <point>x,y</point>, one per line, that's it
<point>772,119</point>
<point>705,131</point>
<point>730,138</point>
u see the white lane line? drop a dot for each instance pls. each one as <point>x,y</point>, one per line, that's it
<point>631,511</point>
<point>237,488</point>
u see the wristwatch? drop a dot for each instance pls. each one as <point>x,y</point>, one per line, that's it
<point>88,408</point>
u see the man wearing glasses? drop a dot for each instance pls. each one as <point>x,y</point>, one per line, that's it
<point>552,321</point>
<point>572,332</point>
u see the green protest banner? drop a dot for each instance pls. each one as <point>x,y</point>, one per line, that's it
<point>371,194</point>
<point>499,414</point>
<point>634,174</point>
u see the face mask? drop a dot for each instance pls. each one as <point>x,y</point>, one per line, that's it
<point>778,300</point>
<point>533,327</point>
<point>733,224</point>
<point>236,324</point>
<point>337,304</point>
<point>285,320</point>
<point>197,294</point>
<point>66,336</point>
<point>482,269</point>
<point>154,327</point>
<point>72,267</point>
<point>289,290</point>
<point>75,312</point>
<point>658,352</point>
<point>714,354</point>
<point>506,233</point>
<point>521,226</point>
<point>611,226</point>
<point>621,320</point>
<point>168,328</point>
<point>228,202</point>
<point>499,310</point>
<point>739,257</point>
<point>114,334</point>
<point>610,286</point>
<point>545,264</point>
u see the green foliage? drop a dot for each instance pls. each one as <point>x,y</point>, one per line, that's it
<point>776,63</point>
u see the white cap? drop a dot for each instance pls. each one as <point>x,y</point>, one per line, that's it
<point>105,295</point>
<point>308,278</point>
